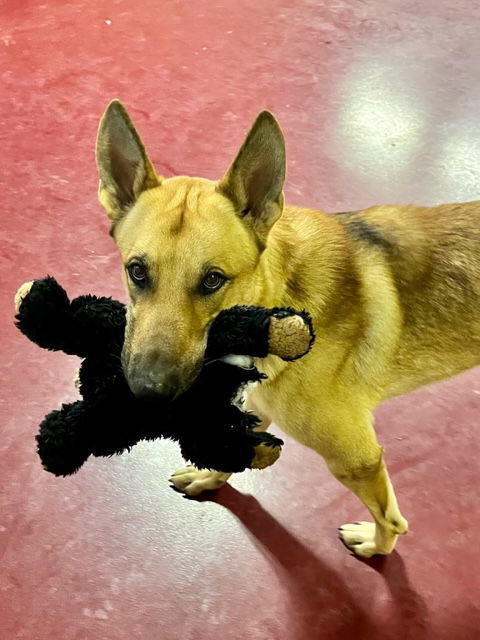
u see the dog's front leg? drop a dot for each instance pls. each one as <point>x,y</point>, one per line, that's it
<point>375,490</point>
<point>349,446</point>
<point>193,481</point>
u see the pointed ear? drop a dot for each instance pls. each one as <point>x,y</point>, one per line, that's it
<point>124,167</point>
<point>254,182</point>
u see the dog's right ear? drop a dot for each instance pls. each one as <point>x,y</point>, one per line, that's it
<point>124,167</point>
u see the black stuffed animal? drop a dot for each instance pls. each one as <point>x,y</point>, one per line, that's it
<point>207,420</point>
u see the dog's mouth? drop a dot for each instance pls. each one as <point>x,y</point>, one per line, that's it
<point>186,383</point>
<point>159,384</point>
<point>243,362</point>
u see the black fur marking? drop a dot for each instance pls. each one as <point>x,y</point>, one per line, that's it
<point>366,232</point>
<point>459,277</point>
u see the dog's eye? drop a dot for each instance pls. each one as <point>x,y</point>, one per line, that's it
<point>137,273</point>
<point>213,281</point>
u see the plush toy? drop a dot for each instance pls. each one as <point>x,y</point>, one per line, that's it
<point>207,420</point>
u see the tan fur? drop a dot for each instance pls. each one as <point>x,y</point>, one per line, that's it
<point>394,292</point>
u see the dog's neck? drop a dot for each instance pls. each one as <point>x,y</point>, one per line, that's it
<point>287,263</point>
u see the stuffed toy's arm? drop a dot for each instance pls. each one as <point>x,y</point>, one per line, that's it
<point>87,325</point>
<point>43,313</point>
<point>257,332</point>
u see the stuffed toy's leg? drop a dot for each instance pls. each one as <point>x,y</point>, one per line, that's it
<point>67,437</point>
<point>217,451</point>
<point>63,442</point>
<point>219,434</point>
<point>232,450</point>
<point>193,481</point>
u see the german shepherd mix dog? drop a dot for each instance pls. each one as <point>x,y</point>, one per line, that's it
<point>394,292</point>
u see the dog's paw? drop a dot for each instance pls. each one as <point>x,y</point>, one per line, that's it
<point>193,481</point>
<point>265,455</point>
<point>365,541</point>
<point>359,537</point>
<point>22,293</point>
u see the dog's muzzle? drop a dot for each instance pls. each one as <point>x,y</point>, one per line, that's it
<point>158,381</point>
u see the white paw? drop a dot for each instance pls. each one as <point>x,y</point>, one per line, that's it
<point>193,481</point>
<point>22,292</point>
<point>359,537</point>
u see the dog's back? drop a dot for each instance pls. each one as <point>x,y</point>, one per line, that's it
<point>432,255</point>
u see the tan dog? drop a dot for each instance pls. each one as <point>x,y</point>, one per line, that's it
<point>393,291</point>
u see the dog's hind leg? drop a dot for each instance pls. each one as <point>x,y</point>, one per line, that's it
<point>193,481</point>
<point>353,455</point>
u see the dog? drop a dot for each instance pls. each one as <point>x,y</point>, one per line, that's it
<point>394,292</point>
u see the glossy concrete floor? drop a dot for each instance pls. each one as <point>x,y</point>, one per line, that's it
<point>380,102</point>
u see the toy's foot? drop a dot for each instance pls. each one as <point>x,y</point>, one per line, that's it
<point>265,455</point>
<point>22,293</point>
<point>290,337</point>
<point>193,481</point>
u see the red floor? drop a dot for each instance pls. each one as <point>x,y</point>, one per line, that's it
<point>379,100</point>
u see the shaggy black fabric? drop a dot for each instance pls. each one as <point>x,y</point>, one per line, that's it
<point>243,330</point>
<point>212,432</point>
<point>87,326</point>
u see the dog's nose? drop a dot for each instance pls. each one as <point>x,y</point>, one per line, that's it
<point>151,389</point>
<point>158,382</point>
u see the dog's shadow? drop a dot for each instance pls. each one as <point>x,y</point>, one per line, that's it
<point>322,604</point>
<point>411,613</point>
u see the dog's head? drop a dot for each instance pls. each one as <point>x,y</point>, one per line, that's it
<point>190,247</point>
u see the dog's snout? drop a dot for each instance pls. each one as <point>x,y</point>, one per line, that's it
<point>153,378</point>
<point>151,388</point>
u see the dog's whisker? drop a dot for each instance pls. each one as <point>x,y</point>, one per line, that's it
<point>210,361</point>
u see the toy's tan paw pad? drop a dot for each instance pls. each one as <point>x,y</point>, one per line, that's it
<point>22,293</point>
<point>193,481</point>
<point>289,337</point>
<point>265,456</point>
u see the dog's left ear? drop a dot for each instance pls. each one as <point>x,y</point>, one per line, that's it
<point>254,182</point>
<point>123,164</point>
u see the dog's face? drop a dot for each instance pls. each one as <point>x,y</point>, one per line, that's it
<point>180,271</point>
<point>190,247</point>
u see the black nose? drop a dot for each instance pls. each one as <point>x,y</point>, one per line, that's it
<point>149,390</point>
<point>159,383</point>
